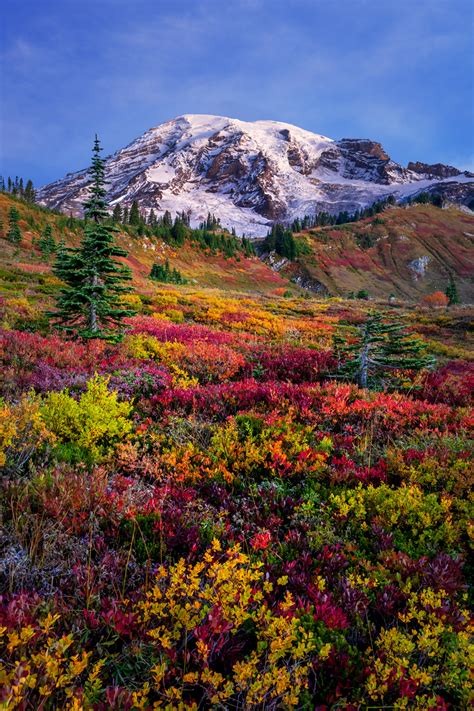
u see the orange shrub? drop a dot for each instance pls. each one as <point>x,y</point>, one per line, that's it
<point>436,300</point>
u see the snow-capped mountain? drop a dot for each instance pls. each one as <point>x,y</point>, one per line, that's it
<point>250,174</point>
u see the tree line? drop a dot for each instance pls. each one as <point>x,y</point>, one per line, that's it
<point>18,187</point>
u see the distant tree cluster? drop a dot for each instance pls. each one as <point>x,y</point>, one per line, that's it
<point>177,231</point>
<point>18,187</point>
<point>223,242</point>
<point>280,240</point>
<point>425,198</point>
<point>211,223</point>
<point>163,272</point>
<point>325,219</point>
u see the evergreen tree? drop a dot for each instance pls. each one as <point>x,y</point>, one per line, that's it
<point>125,216</point>
<point>167,219</point>
<point>90,303</point>
<point>47,243</point>
<point>452,293</point>
<point>380,349</point>
<point>152,218</point>
<point>14,233</point>
<point>117,213</point>
<point>178,232</point>
<point>29,193</point>
<point>134,218</point>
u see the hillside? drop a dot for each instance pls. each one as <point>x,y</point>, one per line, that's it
<point>403,252</point>
<point>252,174</point>
<point>24,270</point>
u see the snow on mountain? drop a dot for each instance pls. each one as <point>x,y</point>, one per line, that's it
<point>251,174</point>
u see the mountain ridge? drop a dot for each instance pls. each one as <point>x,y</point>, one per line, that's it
<point>252,174</point>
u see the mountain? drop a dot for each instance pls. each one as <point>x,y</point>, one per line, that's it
<point>251,174</point>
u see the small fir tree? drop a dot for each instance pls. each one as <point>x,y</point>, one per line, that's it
<point>47,243</point>
<point>29,194</point>
<point>134,218</point>
<point>14,232</point>
<point>379,349</point>
<point>452,293</point>
<point>167,219</point>
<point>117,213</point>
<point>90,304</point>
<point>179,232</point>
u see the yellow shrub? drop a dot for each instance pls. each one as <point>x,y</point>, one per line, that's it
<point>141,345</point>
<point>228,581</point>
<point>7,431</point>
<point>17,311</point>
<point>175,315</point>
<point>417,648</point>
<point>22,431</point>
<point>95,422</point>
<point>165,298</point>
<point>132,300</point>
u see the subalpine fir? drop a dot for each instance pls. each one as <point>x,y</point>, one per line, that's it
<point>379,349</point>
<point>90,304</point>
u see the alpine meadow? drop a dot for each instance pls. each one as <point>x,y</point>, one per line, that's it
<point>237,362</point>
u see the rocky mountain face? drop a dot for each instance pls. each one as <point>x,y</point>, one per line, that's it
<point>251,174</point>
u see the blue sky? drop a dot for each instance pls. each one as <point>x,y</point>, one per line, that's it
<point>397,71</point>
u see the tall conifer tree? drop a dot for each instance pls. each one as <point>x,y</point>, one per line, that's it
<point>90,304</point>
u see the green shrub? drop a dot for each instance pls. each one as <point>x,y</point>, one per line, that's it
<point>93,424</point>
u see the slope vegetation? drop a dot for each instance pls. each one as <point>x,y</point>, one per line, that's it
<point>25,271</point>
<point>404,252</point>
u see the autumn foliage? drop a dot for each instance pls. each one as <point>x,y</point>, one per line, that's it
<point>205,516</point>
<point>436,300</point>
